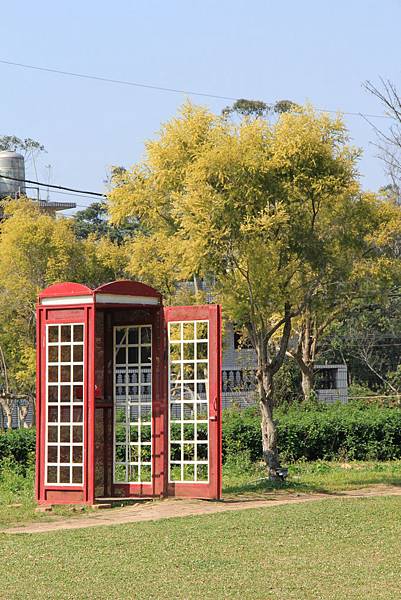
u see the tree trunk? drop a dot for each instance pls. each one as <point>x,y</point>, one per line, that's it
<point>307,381</point>
<point>268,426</point>
<point>23,413</point>
<point>9,417</point>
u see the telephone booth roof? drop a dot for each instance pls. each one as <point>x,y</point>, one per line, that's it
<point>116,292</point>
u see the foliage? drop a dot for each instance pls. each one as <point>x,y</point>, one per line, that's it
<point>367,338</point>
<point>268,212</point>
<point>37,250</point>
<point>354,431</point>
<point>93,221</point>
<point>18,445</point>
<point>28,147</point>
<point>258,108</point>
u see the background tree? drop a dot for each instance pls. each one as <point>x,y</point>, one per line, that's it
<point>28,147</point>
<point>365,271</point>
<point>258,108</point>
<point>94,221</point>
<point>241,205</point>
<point>389,141</point>
<point>37,250</point>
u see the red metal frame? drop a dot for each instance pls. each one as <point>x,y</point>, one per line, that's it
<point>211,313</point>
<point>81,305</point>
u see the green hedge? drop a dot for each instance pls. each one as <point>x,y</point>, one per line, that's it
<point>345,431</point>
<point>351,431</point>
<point>17,444</point>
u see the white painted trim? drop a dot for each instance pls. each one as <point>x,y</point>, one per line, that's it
<point>67,300</point>
<point>100,299</point>
<point>122,299</point>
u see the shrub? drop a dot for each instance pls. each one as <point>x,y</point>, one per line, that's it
<point>17,444</point>
<point>353,431</point>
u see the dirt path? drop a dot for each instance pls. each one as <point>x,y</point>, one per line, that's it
<point>169,508</point>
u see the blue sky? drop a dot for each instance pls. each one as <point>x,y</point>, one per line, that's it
<point>313,51</point>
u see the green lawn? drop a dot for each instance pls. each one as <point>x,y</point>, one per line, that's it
<point>330,549</point>
<point>240,479</point>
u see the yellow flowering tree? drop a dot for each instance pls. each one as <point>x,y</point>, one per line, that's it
<point>264,212</point>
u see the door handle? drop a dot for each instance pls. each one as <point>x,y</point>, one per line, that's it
<point>214,417</point>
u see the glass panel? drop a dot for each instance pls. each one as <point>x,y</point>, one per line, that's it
<point>78,353</point>
<point>146,473</point>
<point>175,331</point>
<point>202,472</point>
<point>145,433</point>
<point>53,354</point>
<point>65,393</point>
<point>202,451</point>
<point>65,433</point>
<point>78,373</point>
<point>134,453</point>
<point>65,353</point>
<point>77,414</point>
<point>133,355</point>
<point>120,335</point>
<point>133,473</point>
<point>134,433</point>
<point>77,454</point>
<point>188,331</point>
<point>132,401</point>
<point>77,433</point>
<point>145,354</point>
<point>78,333</point>
<point>52,374</point>
<point>175,472</point>
<point>175,452</point>
<point>189,452</point>
<point>52,414</point>
<point>175,351</point>
<point>65,414</point>
<point>52,393</point>
<point>65,333</point>
<point>188,371</point>
<point>65,474</point>
<point>201,351</point>
<point>146,335</point>
<point>189,434</point>
<point>65,454</point>
<point>202,328</point>
<point>189,472</point>
<point>53,333</point>
<point>189,351</point>
<point>51,474</point>
<point>120,472</point>
<point>133,337</point>
<point>77,393</point>
<point>76,474</point>
<point>52,433</point>
<point>52,454</point>
<point>121,433</point>
<point>65,374</point>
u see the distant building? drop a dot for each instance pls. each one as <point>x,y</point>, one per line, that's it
<point>13,184</point>
<point>239,384</point>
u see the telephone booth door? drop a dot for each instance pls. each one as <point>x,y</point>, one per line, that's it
<point>193,401</point>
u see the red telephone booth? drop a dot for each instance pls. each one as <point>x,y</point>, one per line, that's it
<point>128,395</point>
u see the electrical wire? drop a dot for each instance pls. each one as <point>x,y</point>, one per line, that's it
<point>167,89</point>
<point>58,187</point>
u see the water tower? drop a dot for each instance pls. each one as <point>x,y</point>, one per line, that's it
<point>12,184</point>
<point>12,174</point>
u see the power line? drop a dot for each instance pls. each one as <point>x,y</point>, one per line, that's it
<point>58,187</point>
<point>165,89</point>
